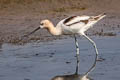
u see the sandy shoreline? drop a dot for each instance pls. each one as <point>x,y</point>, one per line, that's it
<point>13,27</point>
<point>17,20</point>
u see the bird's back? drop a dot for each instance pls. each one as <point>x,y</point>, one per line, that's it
<point>75,24</point>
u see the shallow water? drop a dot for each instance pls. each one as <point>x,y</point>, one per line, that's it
<point>42,61</point>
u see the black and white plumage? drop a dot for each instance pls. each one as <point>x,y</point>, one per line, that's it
<point>78,24</point>
<point>73,25</point>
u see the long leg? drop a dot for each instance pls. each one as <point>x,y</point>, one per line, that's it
<point>96,50</point>
<point>77,54</point>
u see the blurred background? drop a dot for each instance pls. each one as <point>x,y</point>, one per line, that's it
<point>18,17</point>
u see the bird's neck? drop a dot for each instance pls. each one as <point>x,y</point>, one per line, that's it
<point>54,30</point>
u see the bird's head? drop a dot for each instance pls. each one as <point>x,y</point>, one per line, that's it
<point>45,24</point>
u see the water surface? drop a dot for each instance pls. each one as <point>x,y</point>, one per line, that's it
<point>42,61</point>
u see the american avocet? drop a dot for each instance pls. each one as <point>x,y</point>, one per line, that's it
<point>71,26</point>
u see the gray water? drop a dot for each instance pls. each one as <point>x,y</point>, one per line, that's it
<point>42,61</point>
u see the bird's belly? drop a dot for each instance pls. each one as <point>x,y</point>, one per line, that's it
<point>70,32</point>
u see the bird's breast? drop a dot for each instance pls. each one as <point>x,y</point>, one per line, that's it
<point>69,31</point>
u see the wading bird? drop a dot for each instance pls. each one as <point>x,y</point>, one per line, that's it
<point>71,26</point>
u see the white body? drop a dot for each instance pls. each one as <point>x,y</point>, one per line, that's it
<point>77,28</point>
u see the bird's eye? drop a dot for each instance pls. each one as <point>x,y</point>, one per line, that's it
<point>41,23</point>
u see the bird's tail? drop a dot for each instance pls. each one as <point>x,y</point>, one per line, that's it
<point>99,17</point>
<point>102,15</point>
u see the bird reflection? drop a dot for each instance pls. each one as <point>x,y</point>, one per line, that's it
<point>72,77</point>
<point>76,75</point>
